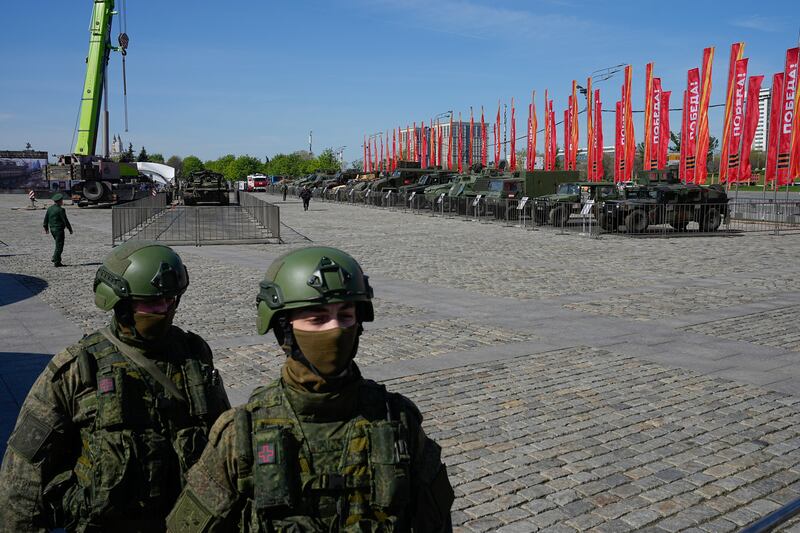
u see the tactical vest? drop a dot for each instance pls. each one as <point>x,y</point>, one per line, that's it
<point>294,483</point>
<point>137,441</point>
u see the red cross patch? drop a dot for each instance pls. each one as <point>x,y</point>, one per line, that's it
<point>266,454</point>
<point>106,385</point>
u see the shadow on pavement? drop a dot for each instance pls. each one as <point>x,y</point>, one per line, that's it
<point>18,287</point>
<point>18,371</point>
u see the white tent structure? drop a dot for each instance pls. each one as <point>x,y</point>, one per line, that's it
<point>158,172</point>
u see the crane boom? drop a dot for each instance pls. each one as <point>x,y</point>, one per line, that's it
<point>96,61</point>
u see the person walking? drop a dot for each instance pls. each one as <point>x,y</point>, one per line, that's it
<point>305,194</point>
<point>320,449</point>
<point>284,190</point>
<point>113,423</point>
<point>55,221</point>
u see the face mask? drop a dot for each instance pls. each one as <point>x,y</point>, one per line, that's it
<point>152,326</point>
<point>330,351</point>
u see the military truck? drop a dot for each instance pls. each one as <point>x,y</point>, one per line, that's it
<point>675,204</point>
<point>434,179</point>
<point>205,187</point>
<point>498,187</point>
<point>569,199</point>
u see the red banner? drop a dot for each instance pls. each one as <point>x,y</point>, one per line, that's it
<point>567,138</point>
<point>590,166</point>
<point>513,158</point>
<point>499,130</point>
<point>439,151</point>
<point>665,137</point>
<point>450,145</point>
<point>460,144</point>
<point>484,138</point>
<point>573,127</point>
<point>787,116</point>
<point>737,51</point>
<point>553,140</point>
<point>736,123</point>
<point>794,166</point>
<point>529,139</point>
<point>684,136</point>
<point>701,153</point>
<point>647,160</point>
<point>598,137</point>
<point>750,125</point>
<point>618,146</point>
<point>692,112</point>
<point>471,137</point>
<point>655,131</point>
<point>534,127</point>
<point>547,132</point>
<point>628,134</point>
<point>774,128</point>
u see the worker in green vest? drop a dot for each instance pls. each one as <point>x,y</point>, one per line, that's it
<point>111,426</point>
<point>321,448</point>
<point>55,221</point>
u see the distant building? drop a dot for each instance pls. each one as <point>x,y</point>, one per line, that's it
<point>116,146</point>
<point>432,133</point>
<point>760,138</point>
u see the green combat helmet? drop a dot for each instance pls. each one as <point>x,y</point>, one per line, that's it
<point>309,277</point>
<point>139,269</point>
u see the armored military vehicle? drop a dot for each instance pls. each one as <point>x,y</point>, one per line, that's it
<point>569,199</point>
<point>205,187</point>
<point>675,204</point>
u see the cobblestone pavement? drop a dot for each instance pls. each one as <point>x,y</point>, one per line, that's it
<point>575,384</point>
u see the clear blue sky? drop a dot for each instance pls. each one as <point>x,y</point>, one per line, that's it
<point>210,77</point>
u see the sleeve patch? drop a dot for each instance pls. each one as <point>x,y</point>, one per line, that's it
<point>29,437</point>
<point>189,515</point>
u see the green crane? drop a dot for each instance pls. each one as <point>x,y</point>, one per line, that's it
<point>96,61</point>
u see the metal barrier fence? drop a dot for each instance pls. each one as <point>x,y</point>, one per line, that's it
<point>268,215</point>
<point>256,221</point>
<point>128,218</point>
<point>672,220</point>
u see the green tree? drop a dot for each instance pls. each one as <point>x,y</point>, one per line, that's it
<point>327,161</point>
<point>155,158</point>
<point>142,156</point>
<point>221,165</point>
<point>358,164</point>
<point>243,166</point>
<point>175,162</point>
<point>127,156</point>
<point>191,164</point>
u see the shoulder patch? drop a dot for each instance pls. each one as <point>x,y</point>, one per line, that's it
<point>63,359</point>
<point>29,436</point>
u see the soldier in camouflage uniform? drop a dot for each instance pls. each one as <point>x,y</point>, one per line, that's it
<point>111,426</point>
<point>55,221</point>
<point>321,448</point>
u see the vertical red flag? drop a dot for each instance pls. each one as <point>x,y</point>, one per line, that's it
<point>553,136</point>
<point>750,125</point>
<point>573,127</point>
<point>529,139</point>
<point>590,166</point>
<point>684,136</point>
<point>547,132</point>
<point>513,161</point>
<point>380,160</point>
<point>647,160</point>
<point>736,123</point>
<point>599,173</point>
<point>737,51</point>
<point>794,165</point>
<point>692,119</point>
<point>460,143</point>
<point>656,133</point>
<point>787,116</point>
<point>414,146</point>
<point>394,149</point>
<point>534,127</point>
<point>774,127</point>
<point>568,133</point>
<point>623,129</point>
<point>663,147</point>
<point>424,133</point>
<point>375,153</point>
<point>619,147</point>
<point>701,160</point>
<point>567,139</point>
<point>497,150</point>
<point>471,142</point>
<point>484,137</point>
<point>630,140</point>
<point>440,145</point>
<point>450,145</point>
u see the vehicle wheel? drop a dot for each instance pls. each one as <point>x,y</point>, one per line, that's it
<point>93,190</point>
<point>711,219</point>
<point>605,223</point>
<point>636,222</point>
<point>558,217</point>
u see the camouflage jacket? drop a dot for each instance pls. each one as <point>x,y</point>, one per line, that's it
<point>290,460</point>
<point>100,445</point>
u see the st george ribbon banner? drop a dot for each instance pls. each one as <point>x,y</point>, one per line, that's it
<point>665,138</point>
<point>598,136</point>
<point>774,128</point>
<point>787,116</point>
<point>736,122</point>
<point>647,160</point>
<point>701,152</point>
<point>691,112</point>
<point>737,52</point>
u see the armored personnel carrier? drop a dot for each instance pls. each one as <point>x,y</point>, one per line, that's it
<point>205,187</point>
<point>569,199</point>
